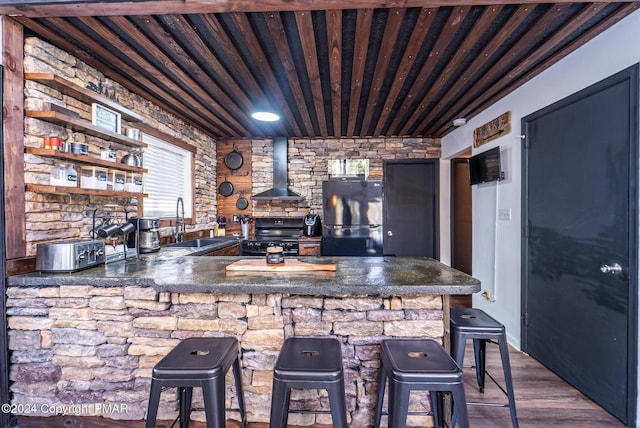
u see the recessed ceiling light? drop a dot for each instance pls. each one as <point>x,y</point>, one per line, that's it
<point>459,122</point>
<point>265,116</point>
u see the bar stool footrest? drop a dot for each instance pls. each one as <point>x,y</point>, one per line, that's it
<point>202,409</point>
<point>475,403</point>
<point>311,412</point>
<point>411,413</point>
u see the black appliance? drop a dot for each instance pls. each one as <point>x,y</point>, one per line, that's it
<point>312,225</point>
<point>352,213</point>
<point>147,236</point>
<point>282,232</point>
<point>280,190</point>
<point>485,167</point>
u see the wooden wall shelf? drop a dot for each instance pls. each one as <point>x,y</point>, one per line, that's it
<point>83,159</point>
<point>83,126</point>
<point>83,94</point>
<point>61,190</point>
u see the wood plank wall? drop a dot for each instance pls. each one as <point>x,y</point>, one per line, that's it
<point>240,178</point>
<point>13,138</point>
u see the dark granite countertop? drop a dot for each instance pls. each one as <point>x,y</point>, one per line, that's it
<point>178,270</point>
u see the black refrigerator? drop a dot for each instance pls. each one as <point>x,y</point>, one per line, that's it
<point>352,217</point>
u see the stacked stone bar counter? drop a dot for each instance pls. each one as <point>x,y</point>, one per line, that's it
<point>85,343</point>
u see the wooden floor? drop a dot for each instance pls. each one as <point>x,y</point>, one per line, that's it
<point>542,400</point>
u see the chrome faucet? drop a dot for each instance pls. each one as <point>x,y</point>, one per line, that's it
<point>179,222</point>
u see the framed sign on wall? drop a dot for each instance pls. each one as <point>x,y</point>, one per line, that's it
<point>496,128</point>
<point>105,118</point>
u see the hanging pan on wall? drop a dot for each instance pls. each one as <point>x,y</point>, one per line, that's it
<point>226,188</point>
<point>233,160</point>
<point>242,203</point>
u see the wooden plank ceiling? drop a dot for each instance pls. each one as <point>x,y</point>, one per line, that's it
<point>335,71</point>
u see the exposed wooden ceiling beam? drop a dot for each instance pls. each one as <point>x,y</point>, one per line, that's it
<point>392,29</point>
<point>453,69</point>
<point>153,74</point>
<point>197,45</point>
<point>224,105</point>
<point>278,35</point>
<point>466,102</point>
<point>334,43</point>
<point>524,72</point>
<point>389,71</point>
<point>308,44</point>
<point>363,29</point>
<point>467,79</point>
<point>40,9</point>
<point>411,104</point>
<point>248,37</point>
<point>147,91</point>
<point>418,36</point>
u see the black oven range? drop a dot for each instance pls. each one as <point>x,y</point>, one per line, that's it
<point>284,232</point>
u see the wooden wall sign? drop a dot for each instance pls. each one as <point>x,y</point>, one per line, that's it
<point>498,127</point>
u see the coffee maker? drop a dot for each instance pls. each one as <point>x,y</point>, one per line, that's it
<point>312,225</point>
<point>147,235</point>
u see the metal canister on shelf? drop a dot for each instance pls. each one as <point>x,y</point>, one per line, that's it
<point>51,143</point>
<point>79,148</point>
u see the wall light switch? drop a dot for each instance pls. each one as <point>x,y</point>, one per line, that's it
<point>504,214</point>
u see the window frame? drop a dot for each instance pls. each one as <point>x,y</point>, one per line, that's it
<point>170,221</point>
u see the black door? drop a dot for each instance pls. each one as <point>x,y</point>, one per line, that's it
<point>579,205</point>
<point>411,208</point>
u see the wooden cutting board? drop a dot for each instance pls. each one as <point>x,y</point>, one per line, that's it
<point>289,265</point>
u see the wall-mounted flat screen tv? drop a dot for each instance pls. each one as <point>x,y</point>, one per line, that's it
<point>485,167</point>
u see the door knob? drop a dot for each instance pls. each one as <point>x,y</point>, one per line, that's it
<point>614,269</point>
<point>389,233</point>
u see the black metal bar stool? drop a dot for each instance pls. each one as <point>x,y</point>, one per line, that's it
<point>200,362</point>
<point>308,363</point>
<point>473,323</point>
<point>418,364</point>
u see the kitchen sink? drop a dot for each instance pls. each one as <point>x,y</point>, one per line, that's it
<point>199,243</point>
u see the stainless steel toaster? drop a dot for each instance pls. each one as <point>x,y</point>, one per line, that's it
<point>69,256</point>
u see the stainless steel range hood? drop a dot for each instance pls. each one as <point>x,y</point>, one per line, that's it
<point>279,191</point>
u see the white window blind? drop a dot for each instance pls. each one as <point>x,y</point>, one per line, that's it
<point>169,178</point>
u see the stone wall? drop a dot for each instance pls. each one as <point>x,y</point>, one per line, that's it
<point>308,166</point>
<point>68,217</point>
<point>89,350</point>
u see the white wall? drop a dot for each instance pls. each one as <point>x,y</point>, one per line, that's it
<point>607,54</point>
<point>445,212</point>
